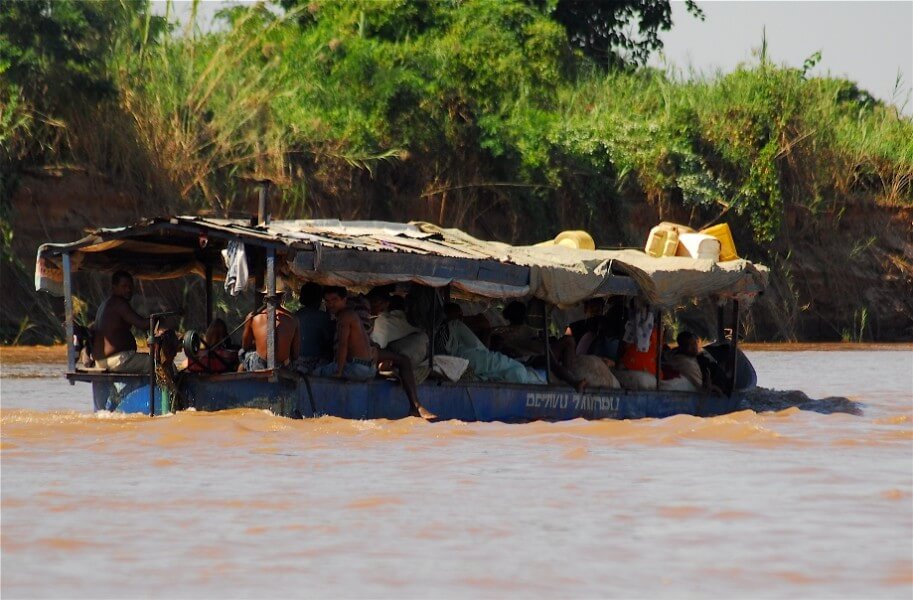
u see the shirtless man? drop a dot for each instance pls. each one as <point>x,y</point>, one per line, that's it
<point>355,357</point>
<point>253,340</point>
<point>114,346</point>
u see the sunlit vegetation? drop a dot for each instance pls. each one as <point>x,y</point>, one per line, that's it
<point>365,109</point>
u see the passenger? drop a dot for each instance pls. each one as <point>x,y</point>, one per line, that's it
<point>603,332</point>
<point>453,312</point>
<point>397,303</point>
<point>592,310</point>
<point>683,360</point>
<point>355,359</point>
<point>288,341</point>
<point>389,325</point>
<point>458,340</point>
<point>517,339</point>
<point>114,347</point>
<point>216,355</point>
<point>315,328</point>
<point>392,327</point>
<point>524,343</point>
<point>692,364</point>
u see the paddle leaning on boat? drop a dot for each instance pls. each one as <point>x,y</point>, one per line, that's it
<point>419,319</point>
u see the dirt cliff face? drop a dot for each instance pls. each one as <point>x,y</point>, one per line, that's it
<point>833,276</point>
<point>843,275</point>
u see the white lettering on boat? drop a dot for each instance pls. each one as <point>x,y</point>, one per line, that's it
<point>599,405</point>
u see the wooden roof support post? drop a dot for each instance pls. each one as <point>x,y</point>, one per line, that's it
<point>68,311</point>
<point>734,348</point>
<point>271,302</point>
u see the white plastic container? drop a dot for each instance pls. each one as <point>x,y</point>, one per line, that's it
<point>698,245</point>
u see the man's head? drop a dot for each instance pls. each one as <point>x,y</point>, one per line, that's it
<point>335,298</point>
<point>216,332</point>
<point>515,313</point>
<point>311,295</point>
<point>122,285</point>
<point>379,298</point>
<point>452,311</point>
<point>688,343</point>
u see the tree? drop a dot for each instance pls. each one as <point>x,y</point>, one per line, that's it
<point>54,49</point>
<point>605,30</point>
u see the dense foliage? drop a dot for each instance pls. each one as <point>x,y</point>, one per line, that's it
<point>471,103</point>
<point>500,116</point>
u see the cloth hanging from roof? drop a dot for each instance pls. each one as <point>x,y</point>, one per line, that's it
<point>48,277</point>
<point>238,277</point>
<point>639,325</point>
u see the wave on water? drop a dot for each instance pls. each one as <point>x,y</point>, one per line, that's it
<point>766,400</point>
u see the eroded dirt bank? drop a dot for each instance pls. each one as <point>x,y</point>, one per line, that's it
<point>833,276</point>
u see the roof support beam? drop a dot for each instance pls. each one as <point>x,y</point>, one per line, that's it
<point>68,310</point>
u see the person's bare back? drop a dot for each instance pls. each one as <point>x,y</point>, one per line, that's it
<point>352,340</point>
<point>114,319</point>
<point>287,342</point>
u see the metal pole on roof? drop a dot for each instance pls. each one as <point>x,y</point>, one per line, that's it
<point>263,209</point>
<point>68,310</point>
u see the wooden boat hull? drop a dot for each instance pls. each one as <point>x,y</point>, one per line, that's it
<point>299,397</point>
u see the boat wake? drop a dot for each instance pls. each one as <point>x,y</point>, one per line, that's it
<point>764,400</point>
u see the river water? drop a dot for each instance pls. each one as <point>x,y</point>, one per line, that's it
<point>786,503</point>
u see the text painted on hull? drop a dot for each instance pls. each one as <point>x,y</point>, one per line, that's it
<point>591,403</point>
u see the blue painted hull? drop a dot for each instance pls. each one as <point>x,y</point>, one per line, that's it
<point>297,397</point>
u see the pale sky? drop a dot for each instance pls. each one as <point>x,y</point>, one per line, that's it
<point>867,42</point>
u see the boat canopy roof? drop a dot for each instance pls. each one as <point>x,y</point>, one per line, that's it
<point>362,254</point>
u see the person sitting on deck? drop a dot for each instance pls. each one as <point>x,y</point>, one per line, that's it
<point>254,339</point>
<point>456,339</point>
<point>114,347</point>
<point>592,311</point>
<point>216,355</point>
<point>683,360</point>
<point>517,339</point>
<point>693,365</point>
<point>600,334</point>
<point>390,325</point>
<point>524,343</point>
<point>315,328</point>
<point>397,341</point>
<point>355,358</point>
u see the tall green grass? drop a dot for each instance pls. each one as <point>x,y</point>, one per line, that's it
<point>467,105</point>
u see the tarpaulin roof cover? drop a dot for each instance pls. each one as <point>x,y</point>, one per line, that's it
<point>367,253</point>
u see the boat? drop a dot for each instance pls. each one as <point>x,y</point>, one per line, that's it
<point>444,263</point>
